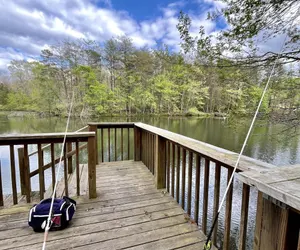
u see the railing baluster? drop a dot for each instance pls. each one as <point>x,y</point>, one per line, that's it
<point>168,165</point>
<point>216,199</point>
<point>102,145</point>
<point>244,217</point>
<point>115,144</point>
<point>52,152</point>
<point>205,196</point>
<point>197,188</point>
<point>1,190</point>
<point>152,155</point>
<point>13,174</point>
<point>27,174</point>
<point>183,178</point>
<point>108,134</point>
<point>122,157</point>
<point>41,171</point>
<point>77,169</point>
<point>70,164</point>
<point>21,170</point>
<point>177,173</point>
<point>128,142</point>
<point>94,128</point>
<point>65,172</point>
<point>190,176</point>
<point>228,212</point>
<point>173,169</point>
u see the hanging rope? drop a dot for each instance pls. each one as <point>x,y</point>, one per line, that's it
<point>208,243</point>
<point>49,220</point>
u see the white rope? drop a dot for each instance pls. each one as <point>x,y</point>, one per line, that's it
<point>253,120</point>
<point>47,228</point>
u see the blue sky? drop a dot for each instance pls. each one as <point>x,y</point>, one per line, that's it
<point>28,26</point>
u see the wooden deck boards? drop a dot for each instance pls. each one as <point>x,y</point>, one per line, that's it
<point>129,213</point>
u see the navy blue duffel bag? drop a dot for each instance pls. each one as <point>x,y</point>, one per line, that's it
<point>63,211</point>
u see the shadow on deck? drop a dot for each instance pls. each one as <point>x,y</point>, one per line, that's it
<point>129,213</point>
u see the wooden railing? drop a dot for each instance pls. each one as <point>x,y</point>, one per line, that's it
<point>88,138</point>
<point>113,140</point>
<point>180,163</point>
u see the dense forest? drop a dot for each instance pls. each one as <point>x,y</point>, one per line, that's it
<point>117,78</point>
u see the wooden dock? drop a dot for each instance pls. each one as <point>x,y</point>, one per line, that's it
<point>168,188</point>
<point>129,213</point>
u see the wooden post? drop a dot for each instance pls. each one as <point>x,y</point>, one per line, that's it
<point>21,170</point>
<point>216,199</point>
<point>205,195</point>
<point>41,171</point>
<point>160,162</point>
<point>272,224</point>
<point>92,166</point>
<point>228,208</point>
<point>70,166</point>
<point>13,174</point>
<point>27,174</point>
<point>93,128</point>
<point>244,217</point>
<point>137,143</point>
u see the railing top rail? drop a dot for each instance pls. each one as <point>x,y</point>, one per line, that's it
<point>112,124</point>
<point>43,138</point>
<point>221,155</point>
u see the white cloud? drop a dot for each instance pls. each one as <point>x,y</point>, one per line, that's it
<point>28,26</point>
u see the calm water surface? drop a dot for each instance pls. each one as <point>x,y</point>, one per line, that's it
<point>267,143</point>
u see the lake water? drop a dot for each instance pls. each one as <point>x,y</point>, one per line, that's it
<point>267,143</point>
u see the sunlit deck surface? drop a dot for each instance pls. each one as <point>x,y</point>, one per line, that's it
<point>129,213</point>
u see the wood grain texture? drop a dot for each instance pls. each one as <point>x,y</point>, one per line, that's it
<point>190,176</point>
<point>216,198</point>
<point>13,174</point>
<point>205,195</point>
<point>133,219</point>
<point>244,217</point>
<point>197,188</point>
<point>183,178</point>
<point>228,208</point>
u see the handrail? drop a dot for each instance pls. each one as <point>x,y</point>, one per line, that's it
<point>112,124</point>
<point>215,153</point>
<point>43,138</point>
<point>48,145</point>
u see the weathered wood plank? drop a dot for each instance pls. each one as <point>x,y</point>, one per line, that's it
<point>216,198</point>
<point>197,189</point>
<point>21,170</point>
<point>218,154</point>
<point>175,242</point>
<point>41,171</point>
<point>13,174</point>
<point>168,165</point>
<point>27,173</point>
<point>205,195</point>
<point>228,208</point>
<point>190,176</point>
<point>244,217</point>
<point>177,173</point>
<point>183,178</point>
<point>137,144</point>
<point>43,138</point>
<point>173,170</point>
<point>160,162</point>
<point>52,153</point>
<point>102,145</point>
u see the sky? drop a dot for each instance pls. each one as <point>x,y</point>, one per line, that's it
<point>28,26</point>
